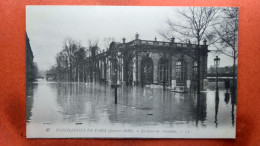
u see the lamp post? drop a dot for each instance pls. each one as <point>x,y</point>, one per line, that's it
<point>216,62</point>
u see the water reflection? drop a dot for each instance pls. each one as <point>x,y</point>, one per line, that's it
<point>216,108</point>
<point>201,108</point>
<point>227,97</point>
<point>153,106</point>
<point>80,103</point>
<point>233,105</point>
<point>30,89</point>
<point>71,101</point>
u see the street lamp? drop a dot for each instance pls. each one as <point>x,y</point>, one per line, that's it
<point>216,62</point>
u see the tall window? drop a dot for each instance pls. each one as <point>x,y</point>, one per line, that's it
<point>180,74</point>
<point>163,66</point>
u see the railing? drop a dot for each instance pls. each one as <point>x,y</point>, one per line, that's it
<point>154,43</point>
<point>160,43</point>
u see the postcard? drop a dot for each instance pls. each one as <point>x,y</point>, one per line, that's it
<point>131,72</point>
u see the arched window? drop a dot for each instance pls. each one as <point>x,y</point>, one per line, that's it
<point>163,69</point>
<point>180,73</point>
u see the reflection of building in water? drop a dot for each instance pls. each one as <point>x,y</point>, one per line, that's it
<point>71,100</point>
<point>152,62</point>
<point>168,107</point>
<point>79,103</point>
<point>30,89</point>
<point>201,107</point>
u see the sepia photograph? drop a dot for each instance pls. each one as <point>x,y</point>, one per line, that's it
<point>131,72</point>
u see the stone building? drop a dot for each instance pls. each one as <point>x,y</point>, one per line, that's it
<point>30,75</point>
<point>152,63</point>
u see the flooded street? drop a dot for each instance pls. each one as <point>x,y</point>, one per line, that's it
<point>61,103</point>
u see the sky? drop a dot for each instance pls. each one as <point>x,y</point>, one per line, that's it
<point>48,26</point>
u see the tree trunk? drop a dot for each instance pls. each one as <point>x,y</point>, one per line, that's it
<point>234,76</point>
<point>83,73</point>
<point>164,77</point>
<point>70,73</point>
<point>198,60</point>
<point>78,72</point>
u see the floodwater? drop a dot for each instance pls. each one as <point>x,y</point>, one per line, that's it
<point>57,103</point>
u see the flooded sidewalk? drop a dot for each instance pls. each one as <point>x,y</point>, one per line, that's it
<point>54,102</point>
<point>50,103</point>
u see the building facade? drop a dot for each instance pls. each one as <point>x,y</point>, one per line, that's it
<point>153,63</point>
<point>30,73</point>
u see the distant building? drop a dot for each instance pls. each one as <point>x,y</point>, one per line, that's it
<point>228,70</point>
<point>145,62</point>
<point>30,75</point>
<point>224,73</point>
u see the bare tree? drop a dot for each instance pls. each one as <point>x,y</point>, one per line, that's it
<point>226,36</point>
<point>62,66</point>
<point>93,49</point>
<point>194,24</point>
<point>70,62</point>
<point>80,56</point>
<point>108,41</point>
<point>69,48</point>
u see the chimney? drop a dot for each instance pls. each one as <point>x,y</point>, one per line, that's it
<point>155,39</point>
<point>205,42</point>
<point>123,39</point>
<point>172,39</point>
<point>136,36</point>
